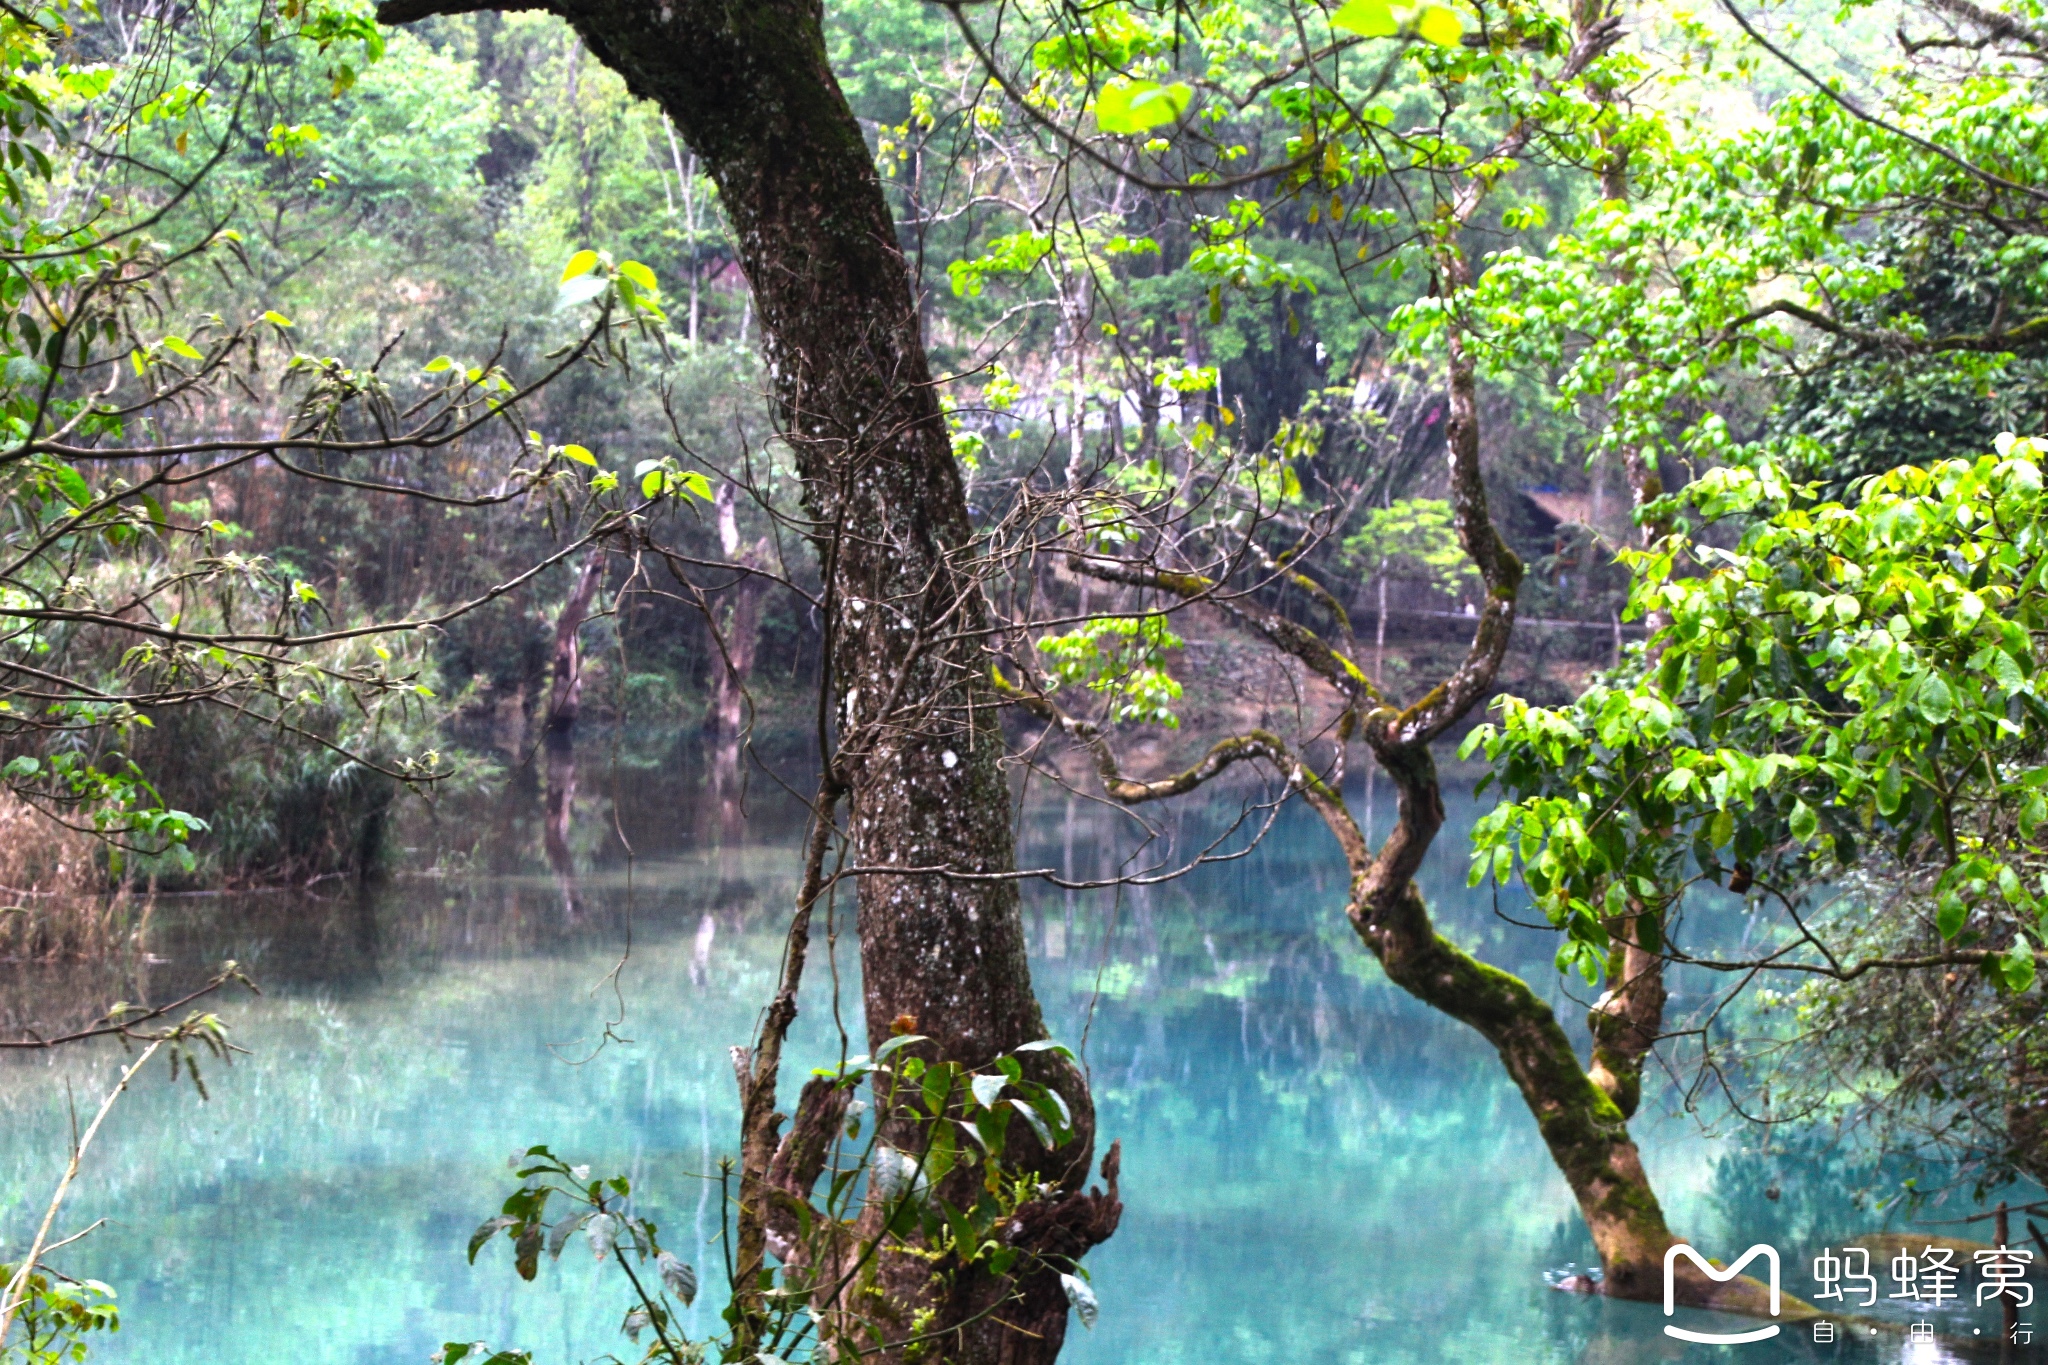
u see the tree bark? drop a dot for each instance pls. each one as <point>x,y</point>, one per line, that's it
<point>558,731</point>
<point>751,91</point>
<point>738,625</point>
<point>1628,1018</point>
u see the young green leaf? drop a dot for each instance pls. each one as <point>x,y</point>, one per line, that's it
<point>1367,18</point>
<point>1129,106</point>
<point>70,483</point>
<point>1440,25</point>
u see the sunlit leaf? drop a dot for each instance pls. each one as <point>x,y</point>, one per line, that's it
<point>1129,106</point>
<point>1367,18</point>
<point>1441,26</point>
<point>71,484</point>
<point>581,289</point>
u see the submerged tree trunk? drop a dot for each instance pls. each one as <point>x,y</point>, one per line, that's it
<point>1584,1128</point>
<point>1581,1112</point>
<point>751,91</point>
<point>558,732</point>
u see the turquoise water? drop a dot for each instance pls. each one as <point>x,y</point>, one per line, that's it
<point>1316,1167</point>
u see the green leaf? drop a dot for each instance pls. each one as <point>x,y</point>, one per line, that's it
<point>2017,965</point>
<point>71,484</point>
<point>438,364</point>
<point>640,275</point>
<point>651,483</point>
<point>901,1040</point>
<point>2006,670</point>
<point>697,484</point>
<point>1367,18</point>
<point>580,290</point>
<point>1045,1045</point>
<point>1128,106</point>
<point>1804,822</point>
<point>182,347</point>
<point>938,1088</point>
<point>580,455</point>
<point>1440,26</point>
<point>986,1089</point>
<point>579,264</point>
<point>491,1227</point>
<point>1949,918</point>
<point>1891,788</point>
<point>276,318</point>
<point>1037,1122</point>
<point>1935,700</point>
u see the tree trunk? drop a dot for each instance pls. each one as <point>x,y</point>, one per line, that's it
<point>1628,1018</point>
<point>737,621</point>
<point>558,733</point>
<point>751,91</point>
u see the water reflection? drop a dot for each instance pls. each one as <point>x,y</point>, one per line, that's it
<point>1316,1167</point>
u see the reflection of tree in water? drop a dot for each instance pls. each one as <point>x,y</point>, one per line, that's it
<point>1804,1189</point>
<point>377,936</point>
